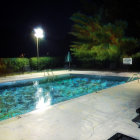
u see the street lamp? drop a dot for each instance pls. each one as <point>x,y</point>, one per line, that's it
<point>38,34</point>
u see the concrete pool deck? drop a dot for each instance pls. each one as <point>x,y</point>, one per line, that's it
<point>95,116</point>
<point>41,74</point>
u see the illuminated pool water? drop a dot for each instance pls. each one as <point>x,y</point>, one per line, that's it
<point>24,96</point>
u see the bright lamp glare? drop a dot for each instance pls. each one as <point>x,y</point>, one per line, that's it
<point>39,33</point>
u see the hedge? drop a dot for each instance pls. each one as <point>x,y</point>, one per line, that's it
<point>45,62</point>
<point>10,65</point>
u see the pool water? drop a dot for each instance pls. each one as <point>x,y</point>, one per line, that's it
<point>28,96</point>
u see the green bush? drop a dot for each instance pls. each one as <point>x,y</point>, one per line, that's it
<point>18,64</point>
<point>45,62</point>
<point>33,63</point>
<point>8,65</point>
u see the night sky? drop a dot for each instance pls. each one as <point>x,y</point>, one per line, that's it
<point>18,19</point>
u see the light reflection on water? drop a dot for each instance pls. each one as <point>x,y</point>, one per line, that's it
<point>41,103</point>
<point>41,99</point>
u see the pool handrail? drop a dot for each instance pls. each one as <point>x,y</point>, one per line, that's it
<point>50,74</point>
<point>135,75</point>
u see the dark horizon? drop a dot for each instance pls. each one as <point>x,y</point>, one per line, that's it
<point>19,19</point>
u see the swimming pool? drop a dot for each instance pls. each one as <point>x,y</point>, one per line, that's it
<point>19,97</point>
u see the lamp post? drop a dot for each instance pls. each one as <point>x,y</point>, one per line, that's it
<point>38,34</point>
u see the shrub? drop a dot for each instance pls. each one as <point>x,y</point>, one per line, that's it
<point>33,63</point>
<point>8,65</point>
<point>18,64</point>
<point>45,62</point>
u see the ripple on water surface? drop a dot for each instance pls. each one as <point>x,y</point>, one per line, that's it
<point>25,98</point>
